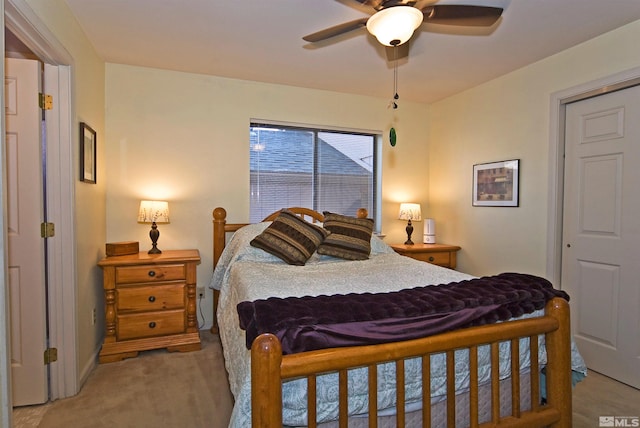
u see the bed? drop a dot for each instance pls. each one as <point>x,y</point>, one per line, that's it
<point>517,371</point>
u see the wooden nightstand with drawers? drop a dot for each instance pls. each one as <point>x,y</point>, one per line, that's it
<point>150,303</point>
<point>437,254</point>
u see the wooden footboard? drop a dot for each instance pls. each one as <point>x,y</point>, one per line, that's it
<point>269,368</point>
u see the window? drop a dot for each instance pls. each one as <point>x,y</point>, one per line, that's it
<point>314,168</point>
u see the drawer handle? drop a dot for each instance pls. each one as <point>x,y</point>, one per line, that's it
<point>431,259</point>
<point>152,299</point>
<point>152,324</point>
<point>152,273</point>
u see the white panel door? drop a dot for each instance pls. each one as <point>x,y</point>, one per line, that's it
<point>27,289</point>
<point>601,231</point>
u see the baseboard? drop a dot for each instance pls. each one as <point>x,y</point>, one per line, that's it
<point>89,366</point>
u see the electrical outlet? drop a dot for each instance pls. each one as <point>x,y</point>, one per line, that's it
<point>94,316</point>
<point>200,292</point>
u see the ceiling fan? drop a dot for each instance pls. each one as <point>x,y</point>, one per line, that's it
<point>395,21</point>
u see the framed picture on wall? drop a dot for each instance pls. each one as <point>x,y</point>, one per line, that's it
<point>496,184</point>
<point>87,154</point>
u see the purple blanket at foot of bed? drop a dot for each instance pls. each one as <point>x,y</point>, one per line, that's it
<point>310,323</point>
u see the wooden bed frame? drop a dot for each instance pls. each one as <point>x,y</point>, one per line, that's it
<point>269,368</point>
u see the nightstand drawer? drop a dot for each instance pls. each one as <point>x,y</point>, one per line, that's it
<point>150,273</point>
<point>134,326</point>
<point>436,254</point>
<point>152,298</point>
<point>442,259</point>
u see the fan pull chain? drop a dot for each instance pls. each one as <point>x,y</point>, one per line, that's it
<point>395,78</point>
<point>393,136</point>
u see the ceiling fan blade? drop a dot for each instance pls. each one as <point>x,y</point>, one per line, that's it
<point>372,3</point>
<point>335,30</point>
<point>397,52</point>
<point>383,4</point>
<point>453,14</point>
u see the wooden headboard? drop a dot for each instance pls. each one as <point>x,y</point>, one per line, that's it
<point>221,227</point>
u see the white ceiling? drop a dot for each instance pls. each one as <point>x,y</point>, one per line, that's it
<point>261,40</point>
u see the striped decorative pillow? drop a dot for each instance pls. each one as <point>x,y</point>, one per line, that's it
<point>350,237</point>
<point>291,238</point>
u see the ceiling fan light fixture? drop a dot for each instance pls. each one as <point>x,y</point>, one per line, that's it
<point>395,25</point>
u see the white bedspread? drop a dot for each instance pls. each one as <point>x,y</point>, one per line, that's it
<point>244,273</point>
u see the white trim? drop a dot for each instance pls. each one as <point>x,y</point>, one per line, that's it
<point>559,100</point>
<point>25,24</point>
<point>5,351</point>
<point>86,370</point>
<point>62,299</point>
<point>315,126</point>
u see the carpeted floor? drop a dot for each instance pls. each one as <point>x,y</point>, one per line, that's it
<point>156,389</point>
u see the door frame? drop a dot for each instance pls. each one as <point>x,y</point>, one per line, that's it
<point>20,19</point>
<point>557,122</point>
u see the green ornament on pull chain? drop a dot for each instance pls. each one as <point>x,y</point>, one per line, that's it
<point>392,137</point>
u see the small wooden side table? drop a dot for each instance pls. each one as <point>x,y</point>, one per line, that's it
<point>150,303</point>
<point>437,254</point>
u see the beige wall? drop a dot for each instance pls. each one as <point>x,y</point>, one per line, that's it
<point>509,118</point>
<point>90,219</point>
<point>185,138</point>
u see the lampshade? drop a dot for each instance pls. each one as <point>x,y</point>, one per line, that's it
<point>395,24</point>
<point>410,212</point>
<point>153,211</point>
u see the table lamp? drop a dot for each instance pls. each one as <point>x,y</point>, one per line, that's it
<point>409,212</point>
<point>154,212</point>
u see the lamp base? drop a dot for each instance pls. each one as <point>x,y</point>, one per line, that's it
<point>409,230</point>
<point>154,234</point>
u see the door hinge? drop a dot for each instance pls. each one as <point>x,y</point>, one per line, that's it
<point>50,355</point>
<point>45,101</point>
<point>47,230</point>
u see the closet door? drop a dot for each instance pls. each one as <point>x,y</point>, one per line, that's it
<point>601,231</point>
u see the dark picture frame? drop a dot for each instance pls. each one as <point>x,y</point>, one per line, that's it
<point>496,184</point>
<point>88,143</point>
